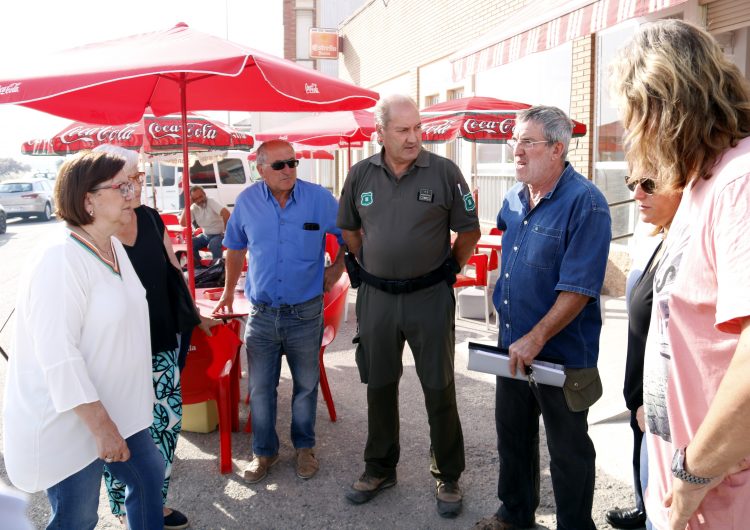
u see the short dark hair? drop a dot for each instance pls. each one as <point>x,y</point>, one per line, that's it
<point>77,177</point>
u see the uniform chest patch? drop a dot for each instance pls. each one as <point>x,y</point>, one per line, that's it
<point>366,198</point>
<point>469,204</point>
<point>425,195</point>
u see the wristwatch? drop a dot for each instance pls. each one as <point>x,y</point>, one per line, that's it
<point>679,471</point>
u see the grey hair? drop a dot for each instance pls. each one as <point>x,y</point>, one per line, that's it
<point>383,109</point>
<point>130,157</point>
<point>260,154</point>
<point>556,125</point>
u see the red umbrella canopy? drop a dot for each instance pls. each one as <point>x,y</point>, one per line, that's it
<point>476,119</point>
<point>152,134</point>
<point>317,154</point>
<point>348,128</point>
<point>113,82</point>
<point>178,69</point>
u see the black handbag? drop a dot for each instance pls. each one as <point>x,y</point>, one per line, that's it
<point>183,307</point>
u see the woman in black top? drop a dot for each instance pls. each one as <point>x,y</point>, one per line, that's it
<point>658,208</point>
<point>143,239</point>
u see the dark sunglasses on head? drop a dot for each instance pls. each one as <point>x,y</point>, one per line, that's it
<point>647,185</point>
<point>279,164</point>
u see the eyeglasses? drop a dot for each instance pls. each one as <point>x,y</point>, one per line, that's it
<point>137,177</point>
<point>127,189</point>
<point>647,185</point>
<point>279,164</point>
<point>513,143</point>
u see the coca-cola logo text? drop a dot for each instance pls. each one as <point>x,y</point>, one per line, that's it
<point>473,126</point>
<point>311,88</point>
<point>438,127</point>
<point>195,130</point>
<point>11,88</point>
<point>99,135</point>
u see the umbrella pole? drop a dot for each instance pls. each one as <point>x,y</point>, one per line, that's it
<point>186,185</point>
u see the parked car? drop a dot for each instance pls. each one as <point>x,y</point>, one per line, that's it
<point>3,218</point>
<point>27,197</point>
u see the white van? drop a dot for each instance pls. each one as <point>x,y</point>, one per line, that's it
<point>222,179</point>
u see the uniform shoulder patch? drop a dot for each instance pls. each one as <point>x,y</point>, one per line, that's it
<point>366,198</point>
<point>469,204</point>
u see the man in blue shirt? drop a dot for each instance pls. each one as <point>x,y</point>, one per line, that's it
<point>282,222</point>
<point>557,231</point>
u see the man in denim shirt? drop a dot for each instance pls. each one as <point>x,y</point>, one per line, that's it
<point>282,222</point>
<point>557,231</point>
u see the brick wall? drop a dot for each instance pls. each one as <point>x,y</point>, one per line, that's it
<point>290,30</point>
<point>398,38</point>
<point>582,102</point>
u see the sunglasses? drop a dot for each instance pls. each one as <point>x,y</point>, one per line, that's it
<point>279,164</point>
<point>127,189</point>
<point>647,185</point>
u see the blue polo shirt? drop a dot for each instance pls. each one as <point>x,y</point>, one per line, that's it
<point>286,245</point>
<point>561,245</point>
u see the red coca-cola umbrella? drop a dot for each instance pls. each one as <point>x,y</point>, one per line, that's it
<point>175,70</point>
<point>476,119</point>
<point>316,154</point>
<point>151,135</point>
<point>342,129</point>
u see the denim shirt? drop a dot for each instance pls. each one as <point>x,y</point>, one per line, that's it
<point>286,245</point>
<point>561,245</point>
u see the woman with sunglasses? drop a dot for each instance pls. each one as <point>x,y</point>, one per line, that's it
<point>145,238</point>
<point>78,393</point>
<point>657,208</point>
<point>686,107</point>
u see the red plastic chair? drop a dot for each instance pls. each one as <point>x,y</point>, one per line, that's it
<point>333,311</point>
<point>494,259</point>
<point>212,371</point>
<point>334,303</point>
<point>479,279</point>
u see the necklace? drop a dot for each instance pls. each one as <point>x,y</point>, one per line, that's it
<point>106,254</point>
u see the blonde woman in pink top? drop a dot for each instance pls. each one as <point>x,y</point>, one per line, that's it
<point>687,109</point>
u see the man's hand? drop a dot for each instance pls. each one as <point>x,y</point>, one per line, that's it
<point>523,351</point>
<point>224,305</point>
<point>332,274</point>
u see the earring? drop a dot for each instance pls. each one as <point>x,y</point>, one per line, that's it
<point>91,213</point>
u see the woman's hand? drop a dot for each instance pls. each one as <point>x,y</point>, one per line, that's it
<point>207,323</point>
<point>110,445</point>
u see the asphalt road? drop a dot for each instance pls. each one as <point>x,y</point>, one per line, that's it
<point>215,501</point>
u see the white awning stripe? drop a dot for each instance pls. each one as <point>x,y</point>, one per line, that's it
<point>579,21</point>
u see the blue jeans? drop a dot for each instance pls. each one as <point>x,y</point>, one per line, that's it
<point>271,332</point>
<point>75,500</point>
<point>213,242</point>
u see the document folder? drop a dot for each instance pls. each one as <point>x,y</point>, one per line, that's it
<point>493,360</point>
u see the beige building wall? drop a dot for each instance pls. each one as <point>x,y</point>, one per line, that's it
<point>396,39</point>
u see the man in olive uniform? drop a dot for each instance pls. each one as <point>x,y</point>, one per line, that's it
<point>396,213</point>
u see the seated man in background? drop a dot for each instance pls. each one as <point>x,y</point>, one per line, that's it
<point>210,216</point>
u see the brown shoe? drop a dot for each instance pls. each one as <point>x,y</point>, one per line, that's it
<point>449,498</point>
<point>258,468</point>
<point>307,464</point>
<point>367,487</point>
<point>493,522</point>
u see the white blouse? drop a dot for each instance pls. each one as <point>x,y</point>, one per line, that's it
<point>81,335</point>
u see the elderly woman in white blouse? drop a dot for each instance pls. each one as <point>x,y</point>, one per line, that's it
<point>79,392</point>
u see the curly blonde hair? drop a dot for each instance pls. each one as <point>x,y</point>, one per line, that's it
<point>683,102</point>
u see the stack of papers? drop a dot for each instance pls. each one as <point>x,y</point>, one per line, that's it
<point>492,360</point>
